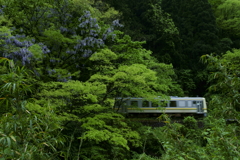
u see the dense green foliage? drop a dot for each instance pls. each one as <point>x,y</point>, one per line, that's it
<point>225,82</point>
<point>63,63</point>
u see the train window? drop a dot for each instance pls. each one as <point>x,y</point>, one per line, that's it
<point>181,103</point>
<point>145,104</point>
<point>134,103</point>
<point>173,104</point>
<point>154,104</point>
<point>194,104</point>
<point>163,104</point>
<point>189,103</point>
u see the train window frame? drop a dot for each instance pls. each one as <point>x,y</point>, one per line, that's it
<point>171,102</point>
<point>133,105</point>
<point>184,103</point>
<point>165,105</point>
<point>145,101</point>
<point>155,104</point>
<point>189,103</point>
<point>194,103</point>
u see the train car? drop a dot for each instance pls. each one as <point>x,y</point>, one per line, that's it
<point>176,105</point>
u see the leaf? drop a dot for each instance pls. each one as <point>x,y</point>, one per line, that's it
<point>13,138</point>
<point>36,50</point>
<point>7,151</point>
<point>8,141</point>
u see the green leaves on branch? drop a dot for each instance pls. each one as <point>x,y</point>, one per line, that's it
<point>34,135</point>
<point>87,105</point>
<point>105,127</point>
<point>225,81</point>
<point>14,85</point>
<point>134,80</point>
<point>228,16</point>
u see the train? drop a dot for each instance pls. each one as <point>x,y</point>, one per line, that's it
<point>179,106</point>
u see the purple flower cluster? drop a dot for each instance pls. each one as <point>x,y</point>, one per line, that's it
<point>71,52</point>
<point>87,45</point>
<point>51,71</point>
<point>36,73</point>
<point>63,29</point>
<point>86,55</point>
<point>107,33</point>
<point>67,30</point>
<point>89,42</point>
<point>87,15</point>
<point>110,30</point>
<point>14,41</point>
<point>90,30</point>
<point>88,24</point>
<point>93,33</point>
<point>16,48</point>
<point>116,23</point>
<point>45,50</point>
<point>61,79</point>
<point>53,60</point>
<point>64,79</point>
<point>22,54</point>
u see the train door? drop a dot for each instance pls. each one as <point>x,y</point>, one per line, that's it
<point>199,106</point>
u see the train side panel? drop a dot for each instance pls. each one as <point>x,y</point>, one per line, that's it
<point>193,105</point>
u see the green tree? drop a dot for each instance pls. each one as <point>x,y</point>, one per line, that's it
<point>27,130</point>
<point>147,21</point>
<point>214,140</point>
<point>227,18</point>
<point>67,34</point>
<point>224,80</point>
<point>14,86</point>
<point>227,14</point>
<point>89,118</point>
<point>198,32</point>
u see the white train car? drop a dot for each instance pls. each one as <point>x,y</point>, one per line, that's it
<point>176,105</point>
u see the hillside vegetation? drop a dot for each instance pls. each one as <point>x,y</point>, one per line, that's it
<point>63,63</point>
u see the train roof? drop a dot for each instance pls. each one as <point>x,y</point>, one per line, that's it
<point>172,98</point>
<point>191,98</point>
